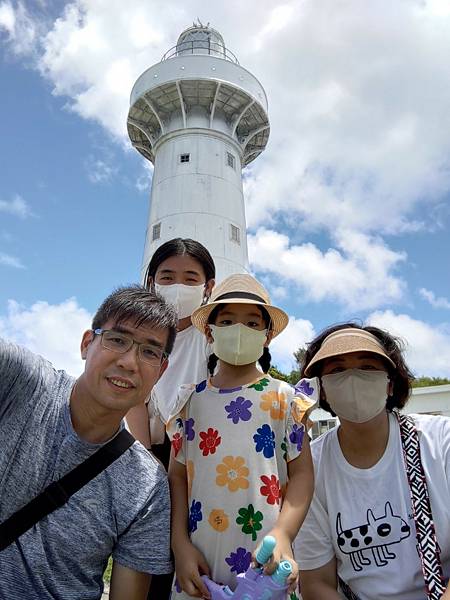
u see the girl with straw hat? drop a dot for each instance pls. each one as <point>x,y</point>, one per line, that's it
<point>240,465</point>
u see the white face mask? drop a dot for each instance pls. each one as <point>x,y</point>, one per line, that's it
<point>237,344</point>
<point>185,298</point>
<point>356,395</point>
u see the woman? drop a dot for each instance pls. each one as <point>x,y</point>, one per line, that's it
<point>360,533</point>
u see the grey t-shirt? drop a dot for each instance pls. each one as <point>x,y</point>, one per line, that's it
<point>124,511</point>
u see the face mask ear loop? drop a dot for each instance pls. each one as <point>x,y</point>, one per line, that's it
<point>269,329</point>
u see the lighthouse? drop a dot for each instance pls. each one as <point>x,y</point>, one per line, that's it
<point>200,118</point>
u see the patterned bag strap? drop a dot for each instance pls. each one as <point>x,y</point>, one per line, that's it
<point>427,543</point>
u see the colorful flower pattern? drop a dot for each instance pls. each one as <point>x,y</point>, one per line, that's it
<point>239,560</point>
<point>271,489</point>
<point>177,442</point>
<point>250,520</point>
<point>296,435</point>
<point>260,385</point>
<point>264,439</point>
<point>189,429</point>
<point>218,519</point>
<point>239,410</point>
<point>240,441</point>
<point>276,403</point>
<point>195,515</point>
<point>210,440</point>
<point>233,473</point>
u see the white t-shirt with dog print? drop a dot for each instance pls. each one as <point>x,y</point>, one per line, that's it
<point>364,516</point>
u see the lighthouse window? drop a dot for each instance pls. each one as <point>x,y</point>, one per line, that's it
<point>231,161</point>
<point>235,234</point>
<point>184,158</point>
<point>156,234</point>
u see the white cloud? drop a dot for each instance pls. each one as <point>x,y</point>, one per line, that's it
<point>7,17</point>
<point>17,207</point>
<point>295,336</point>
<point>10,261</point>
<point>53,331</point>
<point>99,171</point>
<point>20,27</point>
<point>359,127</point>
<point>430,297</point>
<point>357,275</point>
<point>427,346</point>
<point>145,178</point>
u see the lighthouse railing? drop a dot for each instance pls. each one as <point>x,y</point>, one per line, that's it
<point>200,47</point>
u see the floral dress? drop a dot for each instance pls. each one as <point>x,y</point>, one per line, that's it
<point>235,444</point>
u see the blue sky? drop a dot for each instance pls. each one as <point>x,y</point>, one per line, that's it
<point>348,207</point>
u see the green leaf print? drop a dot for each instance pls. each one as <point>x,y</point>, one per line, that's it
<point>284,448</point>
<point>293,596</point>
<point>250,520</point>
<point>260,385</point>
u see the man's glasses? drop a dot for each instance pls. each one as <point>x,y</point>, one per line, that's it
<point>121,342</point>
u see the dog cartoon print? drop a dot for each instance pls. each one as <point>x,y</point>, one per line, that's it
<point>372,537</point>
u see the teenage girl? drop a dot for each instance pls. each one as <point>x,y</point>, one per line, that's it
<point>240,466</point>
<point>182,271</point>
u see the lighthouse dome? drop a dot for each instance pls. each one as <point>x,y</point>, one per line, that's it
<point>201,39</point>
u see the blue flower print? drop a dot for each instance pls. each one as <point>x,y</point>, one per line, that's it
<point>303,387</point>
<point>189,429</point>
<point>264,439</point>
<point>200,386</point>
<point>239,409</point>
<point>239,561</point>
<point>177,586</point>
<point>296,436</point>
<point>179,423</point>
<point>195,515</point>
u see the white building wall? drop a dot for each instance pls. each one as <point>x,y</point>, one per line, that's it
<point>203,198</point>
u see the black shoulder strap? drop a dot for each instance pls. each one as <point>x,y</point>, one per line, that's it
<point>58,493</point>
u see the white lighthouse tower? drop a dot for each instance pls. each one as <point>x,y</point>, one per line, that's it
<point>199,117</point>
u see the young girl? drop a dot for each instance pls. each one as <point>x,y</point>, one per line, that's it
<point>240,465</point>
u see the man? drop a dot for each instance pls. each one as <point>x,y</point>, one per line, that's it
<point>50,423</point>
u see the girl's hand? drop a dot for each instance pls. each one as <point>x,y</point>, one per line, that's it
<point>282,551</point>
<point>190,564</point>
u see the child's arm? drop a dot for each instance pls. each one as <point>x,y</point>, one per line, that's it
<point>296,502</point>
<point>189,561</point>
<point>137,421</point>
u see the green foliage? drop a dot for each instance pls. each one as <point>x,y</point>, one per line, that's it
<point>427,381</point>
<point>299,356</point>
<point>277,374</point>
<point>294,376</point>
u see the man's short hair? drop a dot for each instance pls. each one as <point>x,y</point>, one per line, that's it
<point>141,307</point>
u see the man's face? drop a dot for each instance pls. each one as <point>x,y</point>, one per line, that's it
<point>120,381</point>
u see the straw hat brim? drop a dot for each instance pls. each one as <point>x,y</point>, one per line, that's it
<point>278,317</point>
<point>345,345</point>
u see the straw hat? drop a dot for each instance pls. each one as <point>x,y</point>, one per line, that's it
<point>345,341</point>
<point>240,289</point>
